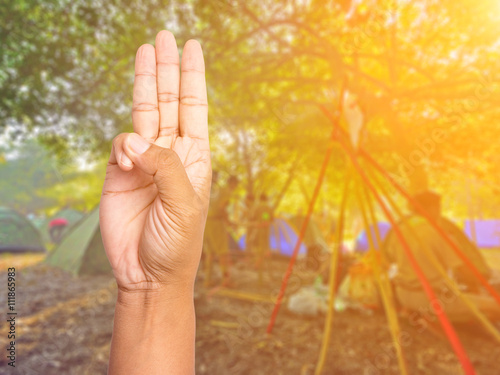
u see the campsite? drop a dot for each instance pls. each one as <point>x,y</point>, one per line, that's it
<point>69,328</point>
<point>71,299</point>
<point>250,187</point>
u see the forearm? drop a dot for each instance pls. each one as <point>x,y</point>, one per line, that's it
<point>153,333</point>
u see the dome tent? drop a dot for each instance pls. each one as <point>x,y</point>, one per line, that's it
<point>282,239</point>
<point>362,243</point>
<point>81,251</point>
<point>72,216</point>
<point>485,232</point>
<point>17,233</point>
<point>313,236</point>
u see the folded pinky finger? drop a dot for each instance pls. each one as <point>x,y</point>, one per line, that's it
<point>118,157</point>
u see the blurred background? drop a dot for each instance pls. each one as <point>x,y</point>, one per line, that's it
<point>415,84</point>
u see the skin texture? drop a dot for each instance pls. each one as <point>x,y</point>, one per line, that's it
<point>153,210</point>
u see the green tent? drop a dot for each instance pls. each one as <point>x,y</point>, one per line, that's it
<point>42,225</point>
<point>71,215</point>
<point>81,251</point>
<point>17,234</point>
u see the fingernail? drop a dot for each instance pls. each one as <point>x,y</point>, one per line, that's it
<point>126,161</point>
<point>138,144</point>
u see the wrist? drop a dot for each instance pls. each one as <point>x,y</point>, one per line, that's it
<point>152,311</point>
<point>149,325</point>
<point>155,298</point>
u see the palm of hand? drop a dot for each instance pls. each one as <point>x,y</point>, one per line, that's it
<point>148,238</point>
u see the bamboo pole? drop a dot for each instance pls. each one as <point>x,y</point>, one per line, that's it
<point>310,209</point>
<point>420,210</point>
<point>332,280</point>
<point>382,278</point>
<point>429,291</point>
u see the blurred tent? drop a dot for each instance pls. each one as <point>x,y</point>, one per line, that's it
<point>313,238</point>
<point>39,223</point>
<point>362,243</point>
<point>42,225</point>
<point>467,246</point>
<point>71,215</point>
<point>486,233</point>
<point>17,233</point>
<point>81,251</point>
<point>282,239</point>
<point>233,243</point>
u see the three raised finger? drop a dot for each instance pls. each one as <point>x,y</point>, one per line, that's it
<point>167,71</point>
<point>193,106</point>
<point>145,114</point>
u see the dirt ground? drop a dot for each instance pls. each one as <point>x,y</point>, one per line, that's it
<point>65,325</point>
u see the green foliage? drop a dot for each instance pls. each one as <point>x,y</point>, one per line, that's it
<point>26,169</point>
<point>415,67</point>
<point>67,66</point>
<point>81,190</point>
<point>33,180</point>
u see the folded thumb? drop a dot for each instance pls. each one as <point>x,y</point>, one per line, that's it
<point>164,165</point>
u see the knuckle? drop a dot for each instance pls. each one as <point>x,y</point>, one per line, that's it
<point>168,97</point>
<point>144,107</point>
<point>118,140</point>
<point>192,101</point>
<point>168,131</point>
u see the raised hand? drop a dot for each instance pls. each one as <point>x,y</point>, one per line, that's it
<point>155,197</point>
